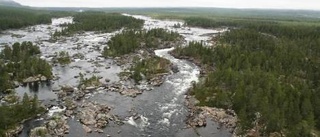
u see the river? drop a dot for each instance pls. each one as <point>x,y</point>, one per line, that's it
<point>162,111</point>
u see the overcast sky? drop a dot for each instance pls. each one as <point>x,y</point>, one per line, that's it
<point>277,4</point>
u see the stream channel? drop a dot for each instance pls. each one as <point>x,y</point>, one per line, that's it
<point>162,111</point>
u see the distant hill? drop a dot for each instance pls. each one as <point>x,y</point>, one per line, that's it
<point>9,3</point>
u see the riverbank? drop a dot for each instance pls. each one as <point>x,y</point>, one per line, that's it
<point>158,110</point>
<point>199,114</point>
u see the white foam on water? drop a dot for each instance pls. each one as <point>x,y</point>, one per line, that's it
<point>77,60</point>
<point>144,121</point>
<point>39,119</point>
<point>59,21</point>
<point>169,113</point>
<point>168,106</point>
<point>132,122</point>
<point>140,123</point>
<point>55,109</point>
<point>164,121</point>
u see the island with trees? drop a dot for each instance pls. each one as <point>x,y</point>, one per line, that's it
<point>136,46</point>
<point>98,22</point>
<point>20,62</point>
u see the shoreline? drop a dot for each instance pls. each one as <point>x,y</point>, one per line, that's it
<point>198,114</point>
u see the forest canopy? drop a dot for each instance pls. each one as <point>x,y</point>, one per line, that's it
<point>267,72</point>
<point>20,61</point>
<point>99,21</point>
<point>129,41</point>
<point>14,18</point>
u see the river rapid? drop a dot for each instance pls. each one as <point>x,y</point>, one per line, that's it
<point>161,111</point>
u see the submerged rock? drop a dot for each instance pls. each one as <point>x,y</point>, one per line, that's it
<point>174,68</point>
<point>107,80</point>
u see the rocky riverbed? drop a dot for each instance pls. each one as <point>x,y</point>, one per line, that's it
<point>115,106</point>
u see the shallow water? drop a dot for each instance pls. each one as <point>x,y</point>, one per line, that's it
<point>162,111</point>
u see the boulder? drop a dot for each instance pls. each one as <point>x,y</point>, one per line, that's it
<point>30,80</point>
<point>68,113</point>
<point>107,80</point>
<point>78,95</point>
<point>61,94</point>
<point>90,88</point>
<point>43,78</point>
<point>52,124</point>
<point>131,92</point>
<point>174,68</point>
<point>87,116</point>
<point>156,81</point>
<point>102,120</point>
<point>56,89</point>
<point>16,84</point>
<point>67,88</point>
<point>70,104</point>
<point>86,129</point>
<point>99,130</point>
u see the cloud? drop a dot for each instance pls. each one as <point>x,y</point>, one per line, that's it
<point>279,4</point>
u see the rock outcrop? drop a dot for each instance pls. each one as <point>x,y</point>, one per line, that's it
<point>198,115</point>
<point>57,126</point>
<point>39,132</point>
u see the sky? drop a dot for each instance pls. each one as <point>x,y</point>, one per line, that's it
<point>266,4</point>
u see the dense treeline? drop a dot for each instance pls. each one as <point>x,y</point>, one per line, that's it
<point>212,23</point>
<point>268,73</point>
<point>265,26</point>
<point>100,21</point>
<point>13,18</point>
<point>130,40</point>
<point>198,51</point>
<point>11,115</point>
<point>20,61</point>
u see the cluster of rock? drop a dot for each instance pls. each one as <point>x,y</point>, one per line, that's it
<point>227,117</point>
<point>35,79</point>
<point>96,116</point>
<point>123,90</point>
<point>198,115</point>
<point>57,126</point>
<point>65,91</point>
<point>196,118</point>
<point>157,80</point>
<point>90,114</point>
